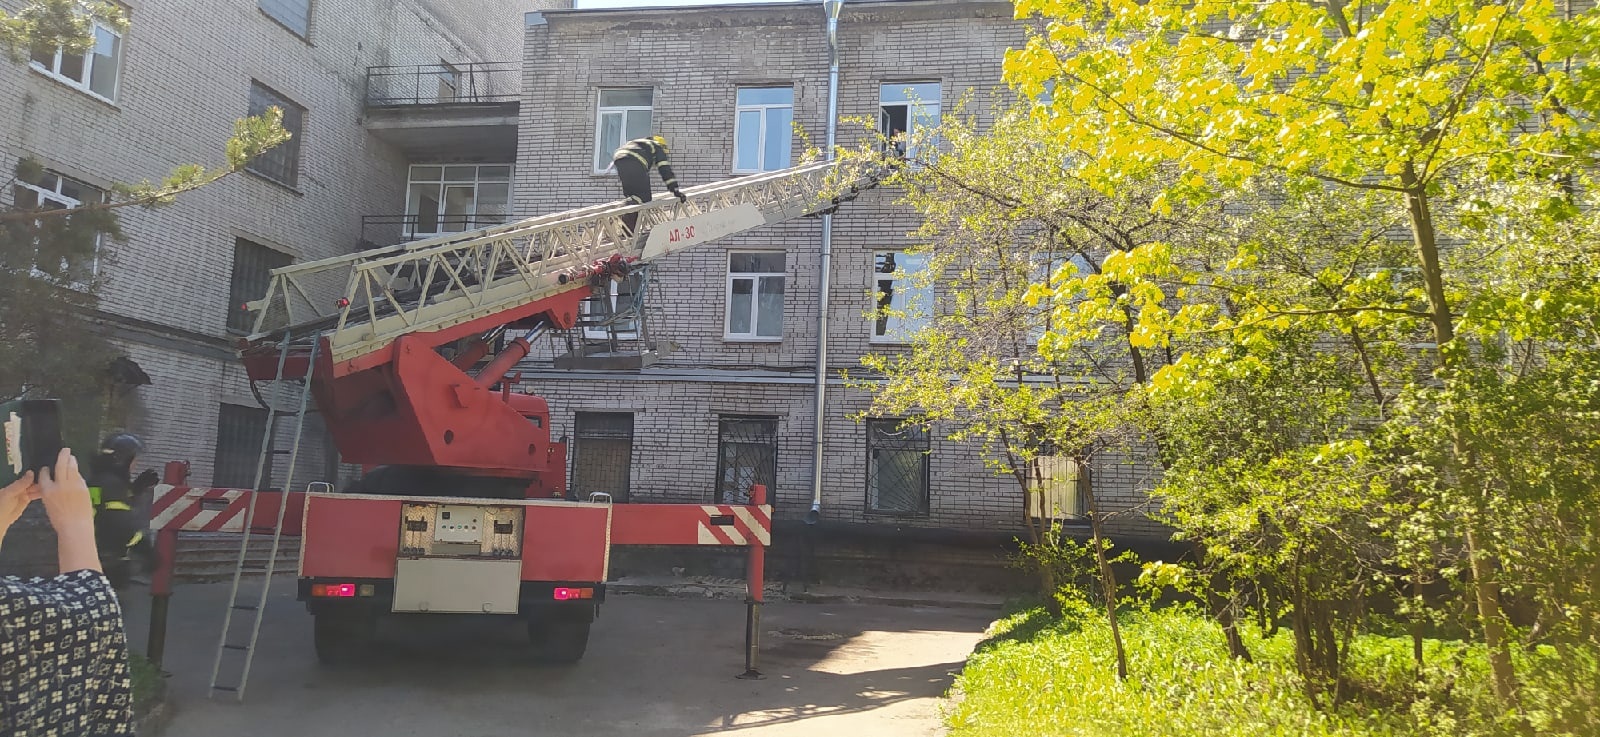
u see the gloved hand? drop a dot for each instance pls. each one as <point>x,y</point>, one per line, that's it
<point>147,479</point>
<point>680,195</point>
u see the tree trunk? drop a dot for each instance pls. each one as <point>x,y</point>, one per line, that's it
<point>1485,591</point>
<point>1108,578</point>
<point>1222,609</point>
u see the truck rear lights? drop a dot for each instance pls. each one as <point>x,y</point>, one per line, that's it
<point>336,590</point>
<point>565,593</point>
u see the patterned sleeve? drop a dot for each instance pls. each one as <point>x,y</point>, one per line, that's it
<point>63,657</point>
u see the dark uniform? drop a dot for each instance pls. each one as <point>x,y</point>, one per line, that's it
<point>633,161</point>
<point>118,529</point>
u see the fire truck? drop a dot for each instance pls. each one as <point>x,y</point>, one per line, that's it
<point>408,354</point>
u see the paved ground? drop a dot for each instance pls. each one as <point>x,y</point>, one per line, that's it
<point>656,666</point>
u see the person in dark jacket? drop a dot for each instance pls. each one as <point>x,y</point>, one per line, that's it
<point>633,162</point>
<point>119,533</point>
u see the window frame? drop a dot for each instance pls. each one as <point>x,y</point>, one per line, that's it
<point>260,420</point>
<point>601,109</point>
<point>590,333</point>
<point>754,336</point>
<point>408,228</point>
<point>897,334</point>
<point>296,134</point>
<point>238,300</point>
<point>912,108</point>
<point>761,134</point>
<point>303,35</point>
<point>898,424</point>
<point>1038,499</point>
<point>67,203</point>
<point>84,86</point>
<point>718,492</point>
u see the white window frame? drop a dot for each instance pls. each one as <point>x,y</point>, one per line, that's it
<point>54,70</point>
<point>761,133</point>
<point>602,156</point>
<point>1043,273</point>
<point>407,228</point>
<point>915,111</point>
<point>601,333</point>
<point>754,335</point>
<point>67,203</point>
<point>1059,495</point>
<point>896,332</point>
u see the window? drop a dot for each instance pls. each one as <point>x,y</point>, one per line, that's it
<point>762,124</point>
<point>747,454</point>
<point>240,430</point>
<point>449,81</point>
<point>904,300</point>
<point>252,273</point>
<point>280,163</point>
<point>624,115</point>
<point>61,249</point>
<point>1057,495</point>
<point>94,72</point>
<point>454,198</point>
<point>907,111</point>
<point>897,467</point>
<point>1045,267</point>
<point>755,295</point>
<point>295,15</point>
<point>602,458</point>
<point>624,295</point>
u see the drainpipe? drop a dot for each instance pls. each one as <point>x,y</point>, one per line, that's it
<point>830,8</point>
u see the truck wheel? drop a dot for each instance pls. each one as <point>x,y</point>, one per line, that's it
<point>560,637</point>
<point>342,637</point>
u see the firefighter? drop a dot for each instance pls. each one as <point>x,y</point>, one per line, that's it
<point>633,162</point>
<point>118,531</point>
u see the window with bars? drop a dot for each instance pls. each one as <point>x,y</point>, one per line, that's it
<point>281,163</point>
<point>94,71</point>
<point>294,15</point>
<point>602,458</point>
<point>897,467</point>
<point>239,432</point>
<point>252,273</point>
<point>747,454</point>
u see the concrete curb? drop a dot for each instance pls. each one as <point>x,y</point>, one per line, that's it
<point>713,591</point>
<point>157,718</point>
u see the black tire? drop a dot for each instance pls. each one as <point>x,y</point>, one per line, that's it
<point>560,637</point>
<point>342,637</point>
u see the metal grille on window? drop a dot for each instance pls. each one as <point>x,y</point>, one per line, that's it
<point>747,454</point>
<point>897,467</point>
<point>239,430</point>
<point>281,163</point>
<point>252,273</point>
<point>602,459</point>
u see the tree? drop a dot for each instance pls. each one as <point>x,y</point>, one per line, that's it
<point>1429,105</point>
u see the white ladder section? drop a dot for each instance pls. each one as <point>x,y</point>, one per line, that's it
<point>364,301</point>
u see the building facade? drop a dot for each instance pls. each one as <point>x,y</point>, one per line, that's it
<point>734,400</point>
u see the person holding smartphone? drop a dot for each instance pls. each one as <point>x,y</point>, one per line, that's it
<point>66,652</point>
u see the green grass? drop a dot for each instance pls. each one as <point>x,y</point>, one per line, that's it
<point>146,683</point>
<point>1036,677</point>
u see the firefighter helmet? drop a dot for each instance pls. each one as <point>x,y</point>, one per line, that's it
<point>658,138</point>
<point>121,448</point>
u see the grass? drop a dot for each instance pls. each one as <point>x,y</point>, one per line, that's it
<point>146,684</point>
<point>1035,676</point>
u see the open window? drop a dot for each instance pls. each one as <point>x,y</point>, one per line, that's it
<point>907,111</point>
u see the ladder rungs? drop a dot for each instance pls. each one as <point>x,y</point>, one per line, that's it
<point>229,689</point>
<point>235,647</point>
<point>246,607</point>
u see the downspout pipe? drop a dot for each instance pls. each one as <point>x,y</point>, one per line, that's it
<point>831,9</point>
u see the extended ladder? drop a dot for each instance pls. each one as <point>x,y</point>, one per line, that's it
<point>362,302</point>
<point>256,603</point>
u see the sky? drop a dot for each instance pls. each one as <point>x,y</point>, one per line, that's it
<point>660,3</point>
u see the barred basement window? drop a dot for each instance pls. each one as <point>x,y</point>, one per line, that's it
<point>252,274</point>
<point>281,163</point>
<point>897,467</point>
<point>747,454</point>
<point>602,455</point>
<point>239,432</point>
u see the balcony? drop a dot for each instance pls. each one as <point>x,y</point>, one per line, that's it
<point>378,231</point>
<point>446,112</point>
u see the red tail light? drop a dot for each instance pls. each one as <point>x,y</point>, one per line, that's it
<point>564,593</point>
<point>333,589</point>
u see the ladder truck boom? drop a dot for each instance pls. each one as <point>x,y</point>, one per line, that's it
<point>379,317</point>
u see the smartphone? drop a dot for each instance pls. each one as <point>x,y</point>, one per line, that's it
<point>32,437</point>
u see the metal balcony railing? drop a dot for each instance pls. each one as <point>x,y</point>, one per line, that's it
<point>444,84</point>
<point>386,230</point>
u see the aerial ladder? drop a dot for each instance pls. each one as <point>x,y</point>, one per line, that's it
<point>464,506</point>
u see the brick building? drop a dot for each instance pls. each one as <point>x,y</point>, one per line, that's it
<point>734,401</point>
<point>166,91</point>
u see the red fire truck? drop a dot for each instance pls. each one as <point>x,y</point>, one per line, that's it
<point>408,353</point>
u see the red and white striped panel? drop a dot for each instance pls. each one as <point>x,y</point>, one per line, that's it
<point>198,510</point>
<point>749,524</point>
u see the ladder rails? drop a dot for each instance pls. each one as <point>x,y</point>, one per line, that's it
<point>362,302</point>
<point>257,605</point>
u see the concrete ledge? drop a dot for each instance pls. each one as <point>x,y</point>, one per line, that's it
<point>156,719</point>
<point>726,588</point>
